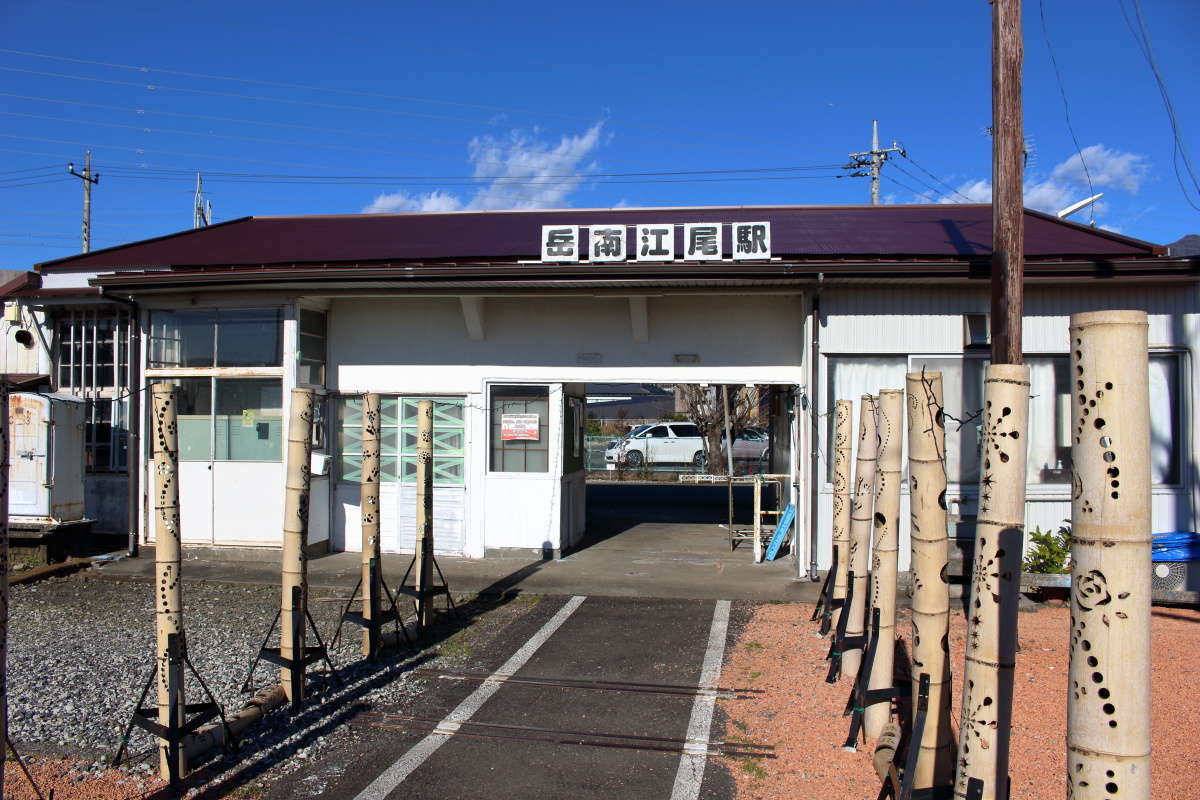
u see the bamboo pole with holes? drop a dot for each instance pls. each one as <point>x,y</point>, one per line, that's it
<point>168,600</point>
<point>293,611</point>
<point>4,434</point>
<point>930,555</point>
<point>986,712</point>
<point>424,539</point>
<point>1108,691</point>
<point>369,511</point>
<point>860,527</point>
<point>884,551</point>
<point>842,446</point>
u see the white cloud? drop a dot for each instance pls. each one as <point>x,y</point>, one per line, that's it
<point>525,173</point>
<point>1067,183</point>
<point>436,200</point>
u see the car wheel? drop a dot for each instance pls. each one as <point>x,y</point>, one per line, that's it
<point>699,460</point>
<point>633,459</point>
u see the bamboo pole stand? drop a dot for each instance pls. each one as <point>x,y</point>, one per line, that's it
<point>986,715</point>
<point>424,588</point>
<point>933,767</point>
<point>294,655</point>
<point>174,719</point>
<point>1108,700</point>
<point>833,591</point>
<point>373,614</point>
<point>885,550</point>
<point>866,464</point>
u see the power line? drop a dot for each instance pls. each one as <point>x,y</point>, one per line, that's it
<point>1143,42</point>
<point>936,192</point>
<point>309,103</point>
<point>359,93</point>
<point>1067,110</point>
<point>902,185</point>
<point>936,178</point>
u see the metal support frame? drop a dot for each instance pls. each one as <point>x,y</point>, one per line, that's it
<point>899,787</point>
<point>178,730</point>
<point>826,602</point>
<point>841,642</point>
<point>860,695</point>
<point>424,590</point>
<point>297,664</point>
<point>377,618</point>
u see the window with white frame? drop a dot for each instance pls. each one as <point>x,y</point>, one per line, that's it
<point>92,362</point>
<point>398,440</point>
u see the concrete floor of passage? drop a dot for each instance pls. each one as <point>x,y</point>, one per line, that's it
<point>641,541</point>
<point>615,639</point>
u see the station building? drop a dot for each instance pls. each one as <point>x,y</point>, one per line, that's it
<point>507,318</point>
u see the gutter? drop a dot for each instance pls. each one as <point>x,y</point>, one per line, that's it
<point>814,415</point>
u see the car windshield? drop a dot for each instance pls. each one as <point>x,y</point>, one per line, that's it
<point>635,431</point>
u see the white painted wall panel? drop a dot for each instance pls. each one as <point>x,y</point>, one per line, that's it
<point>421,345</point>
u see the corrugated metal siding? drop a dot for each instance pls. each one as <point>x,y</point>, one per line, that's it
<point>929,320</point>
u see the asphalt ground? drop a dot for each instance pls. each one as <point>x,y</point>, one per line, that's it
<point>612,639</point>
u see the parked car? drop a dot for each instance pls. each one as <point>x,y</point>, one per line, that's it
<point>663,443</point>
<point>678,443</point>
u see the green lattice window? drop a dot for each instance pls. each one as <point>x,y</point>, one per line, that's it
<point>398,440</point>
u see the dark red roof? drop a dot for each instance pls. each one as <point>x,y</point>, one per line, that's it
<point>936,231</point>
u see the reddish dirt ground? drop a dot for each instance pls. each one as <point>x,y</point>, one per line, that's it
<point>801,715</point>
<point>63,777</point>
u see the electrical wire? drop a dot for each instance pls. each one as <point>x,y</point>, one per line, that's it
<point>1067,111</point>
<point>936,192</point>
<point>902,185</point>
<point>361,93</point>
<point>1179,151</point>
<point>935,177</point>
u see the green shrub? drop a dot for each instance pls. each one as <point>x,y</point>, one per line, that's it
<point>1048,550</point>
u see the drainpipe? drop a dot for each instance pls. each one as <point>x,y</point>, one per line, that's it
<point>133,440</point>
<point>814,415</point>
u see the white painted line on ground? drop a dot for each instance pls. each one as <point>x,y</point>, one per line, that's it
<point>690,774</point>
<point>394,775</point>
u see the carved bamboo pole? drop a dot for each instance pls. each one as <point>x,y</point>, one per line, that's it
<point>424,539</point>
<point>1108,705</point>
<point>884,552</point>
<point>931,591</point>
<point>369,509</point>
<point>842,447</point>
<point>860,527</point>
<point>986,714</point>
<point>168,601</point>
<point>292,618</point>
<point>3,569</point>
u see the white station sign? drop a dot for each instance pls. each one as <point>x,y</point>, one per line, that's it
<point>702,241</point>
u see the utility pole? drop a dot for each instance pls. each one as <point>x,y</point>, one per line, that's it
<point>88,179</point>
<point>872,160</point>
<point>1008,167</point>
<point>201,208</point>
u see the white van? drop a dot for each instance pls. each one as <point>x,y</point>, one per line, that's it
<point>661,443</point>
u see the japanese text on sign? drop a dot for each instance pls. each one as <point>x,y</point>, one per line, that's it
<point>702,241</point>
<point>519,427</point>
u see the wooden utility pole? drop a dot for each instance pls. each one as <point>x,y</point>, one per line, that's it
<point>88,178</point>
<point>1008,168</point>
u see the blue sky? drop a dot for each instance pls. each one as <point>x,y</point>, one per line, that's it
<point>482,105</point>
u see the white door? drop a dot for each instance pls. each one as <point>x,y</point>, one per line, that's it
<point>28,494</point>
<point>658,444</point>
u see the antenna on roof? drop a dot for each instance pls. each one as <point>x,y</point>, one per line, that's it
<point>201,208</point>
<point>1082,204</point>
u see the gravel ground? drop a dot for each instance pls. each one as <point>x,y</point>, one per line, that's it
<point>780,652</point>
<point>80,650</point>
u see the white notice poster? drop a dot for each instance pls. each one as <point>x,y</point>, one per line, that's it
<point>519,427</point>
